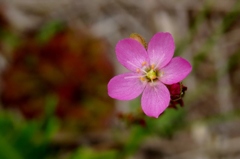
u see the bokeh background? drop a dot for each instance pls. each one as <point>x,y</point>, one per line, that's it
<point>57,56</point>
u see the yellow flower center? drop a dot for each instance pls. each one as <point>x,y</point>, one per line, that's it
<point>152,75</point>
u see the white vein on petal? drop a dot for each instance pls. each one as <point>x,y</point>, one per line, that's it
<point>130,77</point>
<point>159,61</point>
<point>136,66</point>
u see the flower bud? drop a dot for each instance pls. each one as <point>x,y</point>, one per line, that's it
<point>139,38</point>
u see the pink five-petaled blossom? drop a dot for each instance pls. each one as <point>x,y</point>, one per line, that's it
<point>151,70</point>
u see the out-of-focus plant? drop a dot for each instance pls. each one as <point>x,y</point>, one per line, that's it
<point>91,154</point>
<point>61,62</point>
<point>23,139</point>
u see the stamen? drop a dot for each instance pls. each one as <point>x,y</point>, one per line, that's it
<point>152,66</point>
<point>142,79</point>
<point>144,63</point>
<point>138,70</point>
<point>136,67</point>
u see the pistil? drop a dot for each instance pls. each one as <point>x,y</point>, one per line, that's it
<point>152,75</point>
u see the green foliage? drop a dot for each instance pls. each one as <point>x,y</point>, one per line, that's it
<point>133,142</point>
<point>168,123</point>
<point>21,139</point>
<point>88,153</point>
<point>50,123</point>
<point>8,38</point>
<point>234,61</point>
<point>49,30</point>
<point>165,126</point>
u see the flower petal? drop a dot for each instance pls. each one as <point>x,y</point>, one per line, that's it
<point>155,99</point>
<point>131,54</point>
<point>176,70</point>
<point>125,86</point>
<point>161,49</point>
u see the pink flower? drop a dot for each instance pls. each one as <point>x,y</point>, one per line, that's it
<point>151,70</point>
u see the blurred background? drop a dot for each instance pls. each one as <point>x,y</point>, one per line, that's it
<point>57,56</point>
